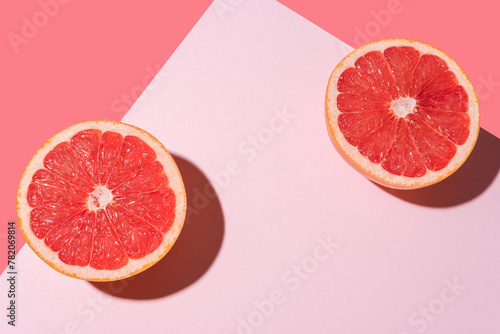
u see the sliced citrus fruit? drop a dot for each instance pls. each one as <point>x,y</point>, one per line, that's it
<point>101,200</point>
<point>402,113</point>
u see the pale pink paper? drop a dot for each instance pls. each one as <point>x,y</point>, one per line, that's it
<point>374,260</point>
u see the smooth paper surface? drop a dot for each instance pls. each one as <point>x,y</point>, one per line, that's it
<point>294,240</point>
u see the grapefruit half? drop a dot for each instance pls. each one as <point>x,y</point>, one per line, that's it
<point>101,201</point>
<point>402,113</point>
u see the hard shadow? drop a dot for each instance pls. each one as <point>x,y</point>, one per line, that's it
<point>192,254</point>
<point>468,182</point>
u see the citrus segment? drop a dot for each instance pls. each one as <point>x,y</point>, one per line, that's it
<point>107,250</point>
<point>85,146</point>
<point>98,203</point>
<point>453,125</point>
<point>358,125</point>
<point>435,149</point>
<point>150,178</point>
<point>63,164</point>
<point>45,218</point>
<point>428,67</point>
<point>78,250</point>
<point>155,207</point>
<point>374,67</point>
<point>376,145</point>
<point>109,152</point>
<point>47,188</point>
<point>353,102</point>
<point>438,87</point>
<point>64,231</point>
<point>454,99</point>
<point>352,80</point>
<point>402,62</point>
<point>399,110</point>
<point>403,158</point>
<point>137,236</point>
<point>134,156</point>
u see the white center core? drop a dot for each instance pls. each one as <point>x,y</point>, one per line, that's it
<point>99,198</point>
<point>403,106</point>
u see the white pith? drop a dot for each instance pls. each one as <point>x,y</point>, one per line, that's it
<point>374,171</point>
<point>99,198</point>
<point>403,106</point>
<point>87,272</point>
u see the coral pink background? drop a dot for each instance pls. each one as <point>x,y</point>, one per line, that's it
<point>91,59</point>
<point>293,218</point>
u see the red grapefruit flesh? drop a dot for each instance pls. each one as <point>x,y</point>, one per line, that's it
<point>101,200</point>
<point>402,113</point>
